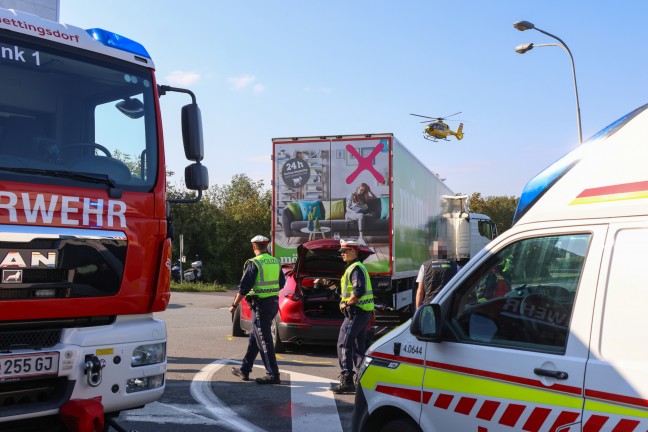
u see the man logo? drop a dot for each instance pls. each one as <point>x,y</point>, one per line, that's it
<point>11,276</point>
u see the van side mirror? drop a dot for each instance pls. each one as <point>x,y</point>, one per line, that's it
<point>192,134</point>
<point>426,323</point>
<point>196,177</point>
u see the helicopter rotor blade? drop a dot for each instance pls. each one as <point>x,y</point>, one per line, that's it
<point>418,115</point>
<point>452,115</point>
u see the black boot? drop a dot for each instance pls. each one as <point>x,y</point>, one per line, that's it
<point>267,379</point>
<point>347,384</point>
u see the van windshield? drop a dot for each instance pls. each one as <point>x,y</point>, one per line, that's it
<point>63,112</point>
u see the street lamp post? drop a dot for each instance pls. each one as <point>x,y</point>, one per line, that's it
<point>521,49</point>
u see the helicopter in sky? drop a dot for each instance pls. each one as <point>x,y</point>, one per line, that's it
<point>437,129</point>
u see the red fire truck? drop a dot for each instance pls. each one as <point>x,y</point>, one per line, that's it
<point>85,229</point>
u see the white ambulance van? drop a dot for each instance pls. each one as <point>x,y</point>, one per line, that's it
<point>546,329</point>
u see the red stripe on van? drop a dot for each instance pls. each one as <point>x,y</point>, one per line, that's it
<point>511,415</point>
<point>626,426</point>
<point>629,400</point>
<point>641,186</point>
<point>611,397</point>
<point>564,418</point>
<point>443,401</point>
<point>536,419</point>
<point>503,377</point>
<point>409,394</point>
<point>487,410</point>
<point>595,423</point>
<point>465,405</point>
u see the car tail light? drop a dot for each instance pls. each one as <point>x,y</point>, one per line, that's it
<point>291,311</point>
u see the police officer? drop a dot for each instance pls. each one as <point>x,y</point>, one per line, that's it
<point>357,306</point>
<point>262,279</point>
<point>434,274</point>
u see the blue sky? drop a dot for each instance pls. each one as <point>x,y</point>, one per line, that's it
<point>264,69</point>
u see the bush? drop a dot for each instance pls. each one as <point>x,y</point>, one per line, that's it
<point>199,287</point>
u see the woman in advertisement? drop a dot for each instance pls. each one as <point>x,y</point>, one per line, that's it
<point>357,206</point>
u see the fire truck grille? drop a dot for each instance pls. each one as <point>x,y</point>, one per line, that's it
<point>29,339</point>
<point>70,264</point>
<point>44,276</point>
<point>16,293</point>
<point>33,395</point>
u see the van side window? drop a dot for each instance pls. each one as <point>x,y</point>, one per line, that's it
<point>523,296</point>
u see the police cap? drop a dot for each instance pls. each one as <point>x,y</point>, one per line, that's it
<point>348,244</point>
<point>260,239</point>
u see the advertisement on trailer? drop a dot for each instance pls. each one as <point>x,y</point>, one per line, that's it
<point>332,189</point>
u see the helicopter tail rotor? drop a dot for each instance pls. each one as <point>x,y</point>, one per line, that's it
<point>459,133</point>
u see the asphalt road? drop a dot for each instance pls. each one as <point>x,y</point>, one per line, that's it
<point>202,394</point>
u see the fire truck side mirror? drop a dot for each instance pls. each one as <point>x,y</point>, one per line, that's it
<point>192,134</point>
<point>196,177</point>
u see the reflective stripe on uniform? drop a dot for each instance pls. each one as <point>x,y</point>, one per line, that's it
<point>267,280</point>
<point>365,302</point>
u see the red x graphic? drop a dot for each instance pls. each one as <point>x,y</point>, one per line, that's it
<point>364,163</point>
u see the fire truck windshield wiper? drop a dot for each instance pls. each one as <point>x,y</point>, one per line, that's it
<point>113,190</point>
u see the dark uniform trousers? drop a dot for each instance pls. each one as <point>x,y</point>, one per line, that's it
<point>352,341</point>
<point>260,340</point>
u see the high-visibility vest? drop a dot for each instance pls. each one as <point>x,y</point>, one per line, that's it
<point>502,285</point>
<point>365,302</point>
<point>267,280</point>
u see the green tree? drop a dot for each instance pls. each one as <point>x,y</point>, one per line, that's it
<point>501,209</point>
<point>219,227</point>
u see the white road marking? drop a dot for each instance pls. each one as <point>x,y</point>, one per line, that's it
<point>201,391</point>
<point>313,404</point>
<point>161,413</point>
<point>313,407</point>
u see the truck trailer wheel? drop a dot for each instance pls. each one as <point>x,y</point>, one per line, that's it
<point>237,331</point>
<point>401,425</point>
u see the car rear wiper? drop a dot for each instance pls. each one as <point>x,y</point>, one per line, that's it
<point>113,190</point>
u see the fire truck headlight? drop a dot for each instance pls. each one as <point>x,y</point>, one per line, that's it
<point>148,354</point>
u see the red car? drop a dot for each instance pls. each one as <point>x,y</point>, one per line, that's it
<point>309,311</point>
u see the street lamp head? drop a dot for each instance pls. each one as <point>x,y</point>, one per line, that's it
<point>522,48</point>
<point>523,25</point>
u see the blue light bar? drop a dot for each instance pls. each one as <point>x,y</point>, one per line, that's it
<point>119,42</point>
<point>615,126</point>
<point>537,186</point>
<point>541,183</point>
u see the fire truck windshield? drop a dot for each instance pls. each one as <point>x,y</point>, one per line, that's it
<point>67,110</point>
